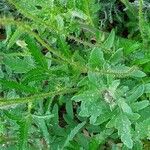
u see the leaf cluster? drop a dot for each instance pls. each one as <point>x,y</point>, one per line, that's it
<point>69,81</point>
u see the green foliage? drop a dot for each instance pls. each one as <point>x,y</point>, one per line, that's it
<point>74,75</point>
<point>123,125</point>
<point>72,134</point>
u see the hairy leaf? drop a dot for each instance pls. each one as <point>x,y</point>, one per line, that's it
<point>123,125</point>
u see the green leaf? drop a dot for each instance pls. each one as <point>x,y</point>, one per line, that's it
<point>91,105</point>
<point>92,110</point>
<point>82,140</point>
<point>61,41</point>
<point>147,88</point>
<point>136,93</point>
<point>108,44</point>
<point>112,122</point>
<point>138,145</point>
<point>105,117</point>
<point>60,22</point>
<point>84,81</point>
<point>55,119</point>
<point>115,147</point>
<point>36,74</point>
<point>96,79</point>
<point>24,127</point>
<point>96,59</point>
<point>41,123</point>
<point>140,105</point>
<point>94,144</point>
<point>138,74</point>
<point>69,109</point>
<point>120,71</point>
<point>103,135</point>
<point>36,52</point>
<point>17,86</point>
<point>142,61</point>
<point>14,38</point>
<point>142,129</point>
<point>79,14</point>
<point>124,106</point>
<point>18,65</point>
<point>117,56</point>
<point>134,117</point>
<point>129,46</point>
<point>123,125</point>
<point>73,133</point>
<point>2,128</point>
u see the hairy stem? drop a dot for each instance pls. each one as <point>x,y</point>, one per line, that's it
<point>7,102</point>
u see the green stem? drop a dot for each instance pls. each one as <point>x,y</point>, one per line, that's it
<point>141,21</point>
<point>7,102</point>
<point>85,43</point>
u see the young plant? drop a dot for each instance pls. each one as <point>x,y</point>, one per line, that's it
<point>66,84</point>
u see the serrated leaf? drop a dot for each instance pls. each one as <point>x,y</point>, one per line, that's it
<point>114,85</point>
<point>138,74</point>
<point>36,52</point>
<point>140,105</point>
<point>96,79</point>
<point>96,59</point>
<point>41,123</point>
<point>134,117</point>
<point>61,41</point>
<point>129,46</point>
<point>18,65</point>
<point>123,125</point>
<point>17,86</point>
<point>117,56</point>
<point>92,110</point>
<point>8,32</point>
<point>24,126</point>
<point>36,74</point>
<point>73,133</point>
<point>142,61</point>
<point>110,40</point>
<point>14,38</point>
<point>91,106</point>
<point>138,92</point>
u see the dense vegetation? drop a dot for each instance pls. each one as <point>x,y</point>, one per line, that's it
<point>74,75</point>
